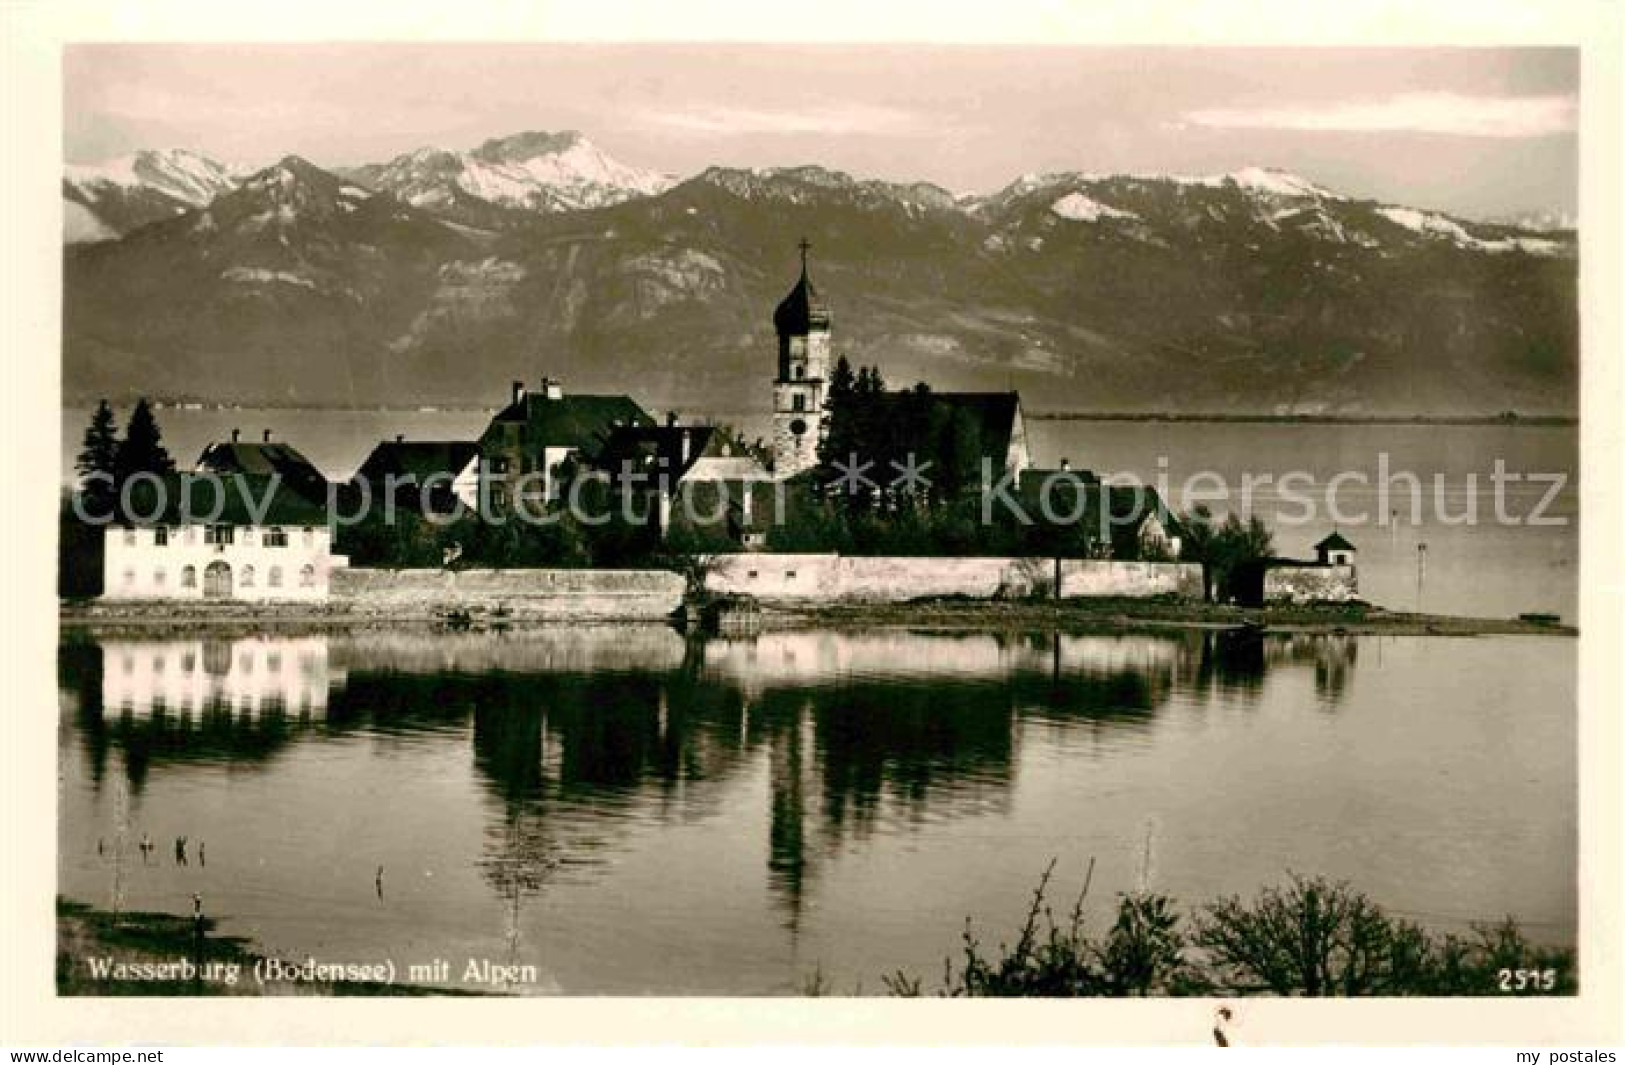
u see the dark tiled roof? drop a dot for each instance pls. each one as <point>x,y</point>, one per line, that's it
<point>263,460</point>
<point>417,458</point>
<point>646,444</point>
<point>1334,542</point>
<point>1128,505</point>
<point>801,310</point>
<point>581,422</point>
<point>221,499</point>
<point>1035,476</point>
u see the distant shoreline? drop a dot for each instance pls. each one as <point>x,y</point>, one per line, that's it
<point>1310,419</point>
<point>1563,420</point>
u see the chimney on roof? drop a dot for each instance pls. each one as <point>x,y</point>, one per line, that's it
<point>552,389</point>
<point>400,438</point>
<point>688,440</point>
<point>1066,464</point>
<point>234,434</point>
<point>518,391</point>
<point>267,437</point>
<point>671,417</point>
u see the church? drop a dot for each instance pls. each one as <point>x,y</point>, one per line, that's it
<point>802,321</point>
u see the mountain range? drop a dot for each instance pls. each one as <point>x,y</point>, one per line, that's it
<point>438,276</point>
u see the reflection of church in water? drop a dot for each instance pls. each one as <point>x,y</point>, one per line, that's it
<point>856,732</point>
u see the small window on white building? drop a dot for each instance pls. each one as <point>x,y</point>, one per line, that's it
<point>218,534</point>
<point>310,536</point>
<point>160,536</point>
<point>129,537</point>
<point>245,577</point>
<point>189,577</point>
<point>248,535</point>
<point>307,576</point>
<point>276,536</point>
<point>129,576</point>
<point>159,577</point>
<point>273,578</point>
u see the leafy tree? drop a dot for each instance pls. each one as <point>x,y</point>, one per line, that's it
<point>1198,544</point>
<point>1239,545</point>
<point>1223,549</point>
<point>1313,937</point>
<point>99,456</point>
<point>143,448</point>
<point>80,553</point>
<point>1143,950</point>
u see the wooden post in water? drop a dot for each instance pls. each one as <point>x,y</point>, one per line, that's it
<point>197,940</point>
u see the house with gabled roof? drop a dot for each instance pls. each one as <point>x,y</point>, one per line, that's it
<point>528,443</point>
<point>264,458</point>
<point>201,535</point>
<point>1075,512</point>
<point>419,475</point>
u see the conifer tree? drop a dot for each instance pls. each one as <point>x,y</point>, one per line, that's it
<point>838,439</point>
<point>143,448</point>
<point>99,455</point>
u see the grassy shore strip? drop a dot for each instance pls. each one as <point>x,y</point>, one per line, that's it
<point>1092,615</point>
<point>1146,615</point>
<point>134,939</point>
<point>1516,420</point>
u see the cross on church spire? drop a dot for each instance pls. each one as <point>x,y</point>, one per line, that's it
<point>805,245</point>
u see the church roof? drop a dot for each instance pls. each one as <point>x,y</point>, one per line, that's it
<point>991,416</point>
<point>802,310</point>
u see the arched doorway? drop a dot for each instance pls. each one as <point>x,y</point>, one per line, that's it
<point>217,581</point>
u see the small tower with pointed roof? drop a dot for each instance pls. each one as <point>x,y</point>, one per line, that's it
<point>1335,550</point>
<point>802,324</point>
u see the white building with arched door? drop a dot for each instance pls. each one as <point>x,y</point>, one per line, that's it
<point>254,541</point>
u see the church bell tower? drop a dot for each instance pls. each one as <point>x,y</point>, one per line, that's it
<point>802,323</point>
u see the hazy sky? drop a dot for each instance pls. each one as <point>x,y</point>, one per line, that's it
<point>1478,132</point>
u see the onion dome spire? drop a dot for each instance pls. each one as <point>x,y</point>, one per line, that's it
<point>803,310</point>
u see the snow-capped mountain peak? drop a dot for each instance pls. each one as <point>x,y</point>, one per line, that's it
<point>1273,182</point>
<point>533,171</point>
<point>179,173</point>
<point>104,201</point>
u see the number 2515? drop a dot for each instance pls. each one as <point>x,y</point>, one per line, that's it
<point>1528,979</point>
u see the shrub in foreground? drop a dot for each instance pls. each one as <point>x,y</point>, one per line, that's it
<point>1309,937</point>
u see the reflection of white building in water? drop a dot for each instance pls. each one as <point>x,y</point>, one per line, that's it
<point>249,677</point>
<point>790,657</point>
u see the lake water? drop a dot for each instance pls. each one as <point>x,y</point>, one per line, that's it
<point>1482,568</point>
<point>635,812</point>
